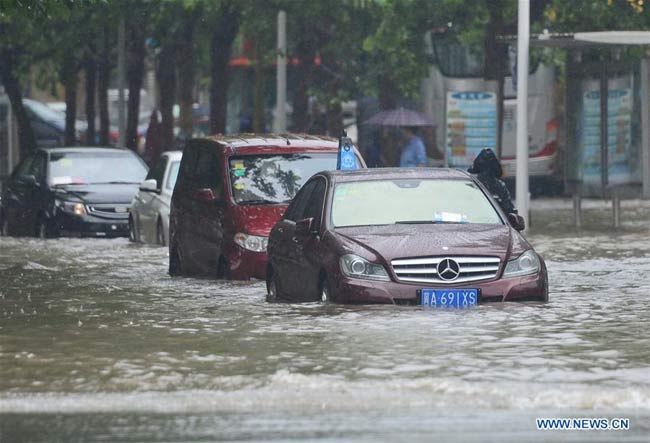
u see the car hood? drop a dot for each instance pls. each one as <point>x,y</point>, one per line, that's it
<point>256,219</point>
<point>402,241</point>
<point>98,193</point>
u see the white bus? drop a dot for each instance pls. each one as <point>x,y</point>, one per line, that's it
<point>462,104</point>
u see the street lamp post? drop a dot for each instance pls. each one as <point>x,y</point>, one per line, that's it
<point>523,36</point>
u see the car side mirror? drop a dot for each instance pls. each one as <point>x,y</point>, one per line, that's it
<point>204,195</point>
<point>150,185</point>
<point>517,221</point>
<point>305,227</point>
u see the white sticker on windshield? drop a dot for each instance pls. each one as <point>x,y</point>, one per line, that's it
<point>449,217</point>
<point>65,180</point>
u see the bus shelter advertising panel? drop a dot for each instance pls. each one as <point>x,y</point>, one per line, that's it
<point>471,125</point>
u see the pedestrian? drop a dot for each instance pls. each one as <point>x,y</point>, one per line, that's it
<point>488,170</point>
<point>153,142</point>
<point>414,154</point>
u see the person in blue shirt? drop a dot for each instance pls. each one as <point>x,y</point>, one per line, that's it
<point>413,153</point>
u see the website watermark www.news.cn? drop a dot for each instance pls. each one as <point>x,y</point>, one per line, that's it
<point>580,424</point>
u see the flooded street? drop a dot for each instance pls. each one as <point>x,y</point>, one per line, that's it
<point>98,343</point>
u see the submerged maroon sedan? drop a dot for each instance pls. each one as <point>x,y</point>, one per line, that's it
<point>406,236</point>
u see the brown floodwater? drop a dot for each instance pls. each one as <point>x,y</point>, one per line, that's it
<point>98,343</point>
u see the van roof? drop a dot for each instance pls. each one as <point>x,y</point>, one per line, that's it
<point>287,139</point>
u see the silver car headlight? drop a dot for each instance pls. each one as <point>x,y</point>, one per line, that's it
<point>253,243</point>
<point>354,266</point>
<point>526,263</point>
<point>75,208</point>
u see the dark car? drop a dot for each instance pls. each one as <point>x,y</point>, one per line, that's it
<point>82,191</point>
<point>403,236</point>
<point>230,192</point>
<point>49,124</point>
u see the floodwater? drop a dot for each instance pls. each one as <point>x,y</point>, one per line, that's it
<point>98,343</point>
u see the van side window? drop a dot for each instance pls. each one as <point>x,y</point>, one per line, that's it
<point>188,164</point>
<point>207,172</point>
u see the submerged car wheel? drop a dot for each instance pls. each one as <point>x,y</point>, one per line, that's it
<point>272,289</point>
<point>175,264</point>
<point>325,292</point>
<point>160,234</point>
<point>223,269</point>
<point>4,227</point>
<point>45,229</point>
<point>133,236</point>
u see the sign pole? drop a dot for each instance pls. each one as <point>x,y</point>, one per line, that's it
<point>280,124</point>
<point>523,36</point>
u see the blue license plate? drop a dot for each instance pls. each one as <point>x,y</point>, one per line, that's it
<point>459,298</point>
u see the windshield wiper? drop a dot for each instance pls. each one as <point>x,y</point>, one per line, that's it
<point>115,182</point>
<point>260,201</point>
<point>428,222</point>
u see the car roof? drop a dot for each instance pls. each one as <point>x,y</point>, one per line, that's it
<point>396,173</point>
<point>84,149</point>
<point>288,140</point>
<point>173,155</point>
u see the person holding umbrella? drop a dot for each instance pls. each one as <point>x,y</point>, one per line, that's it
<point>414,154</point>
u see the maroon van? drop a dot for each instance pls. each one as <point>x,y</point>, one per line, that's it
<point>230,192</point>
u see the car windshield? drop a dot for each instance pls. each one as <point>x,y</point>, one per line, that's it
<point>173,174</point>
<point>275,178</point>
<point>408,201</point>
<point>94,167</point>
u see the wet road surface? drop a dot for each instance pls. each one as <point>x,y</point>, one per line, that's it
<point>98,343</point>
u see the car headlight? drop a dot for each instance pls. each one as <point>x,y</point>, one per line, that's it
<point>253,243</point>
<point>526,263</point>
<point>357,267</point>
<point>75,208</point>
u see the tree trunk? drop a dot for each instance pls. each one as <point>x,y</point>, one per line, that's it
<point>103,78</point>
<point>387,93</point>
<point>69,80</point>
<point>136,53</point>
<point>167,86</point>
<point>26,138</point>
<point>300,116</point>
<point>91,71</point>
<point>186,74</point>
<point>334,110</point>
<point>259,108</point>
<point>225,31</point>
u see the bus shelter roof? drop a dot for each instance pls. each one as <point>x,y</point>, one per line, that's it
<point>583,40</point>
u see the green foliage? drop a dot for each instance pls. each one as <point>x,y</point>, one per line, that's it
<point>595,15</point>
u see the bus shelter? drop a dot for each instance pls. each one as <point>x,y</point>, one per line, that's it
<point>607,115</point>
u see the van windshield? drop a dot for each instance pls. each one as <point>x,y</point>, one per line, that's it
<point>274,178</point>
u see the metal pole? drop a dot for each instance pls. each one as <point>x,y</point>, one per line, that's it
<point>645,123</point>
<point>281,93</point>
<point>121,81</point>
<point>523,35</point>
<point>577,210</point>
<point>604,135</point>
<point>616,209</point>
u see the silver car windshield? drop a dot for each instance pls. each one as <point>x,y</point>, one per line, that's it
<point>408,201</point>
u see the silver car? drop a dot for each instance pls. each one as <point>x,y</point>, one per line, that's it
<point>149,214</point>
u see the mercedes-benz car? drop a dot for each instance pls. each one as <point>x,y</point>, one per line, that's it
<point>433,237</point>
